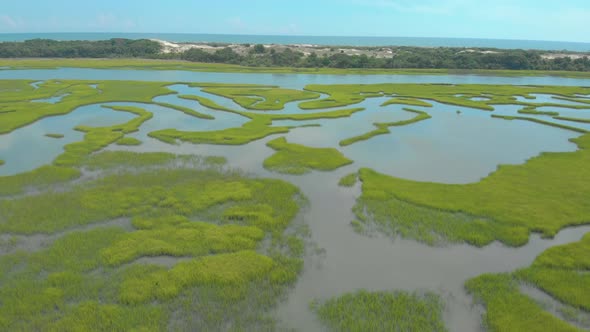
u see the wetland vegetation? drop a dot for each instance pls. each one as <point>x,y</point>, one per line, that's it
<point>157,240</point>
<point>382,311</point>
<point>298,159</point>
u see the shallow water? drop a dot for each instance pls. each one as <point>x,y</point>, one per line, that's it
<point>450,147</point>
<point>28,148</point>
<point>51,100</point>
<point>296,81</point>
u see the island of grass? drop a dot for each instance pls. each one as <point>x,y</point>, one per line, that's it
<point>507,205</point>
<point>382,311</point>
<point>108,275</point>
<point>2,162</point>
<point>56,136</point>
<point>258,127</point>
<point>129,141</point>
<point>560,272</point>
<point>383,128</point>
<point>348,180</point>
<point>263,99</point>
<point>407,101</point>
<point>299,159</point>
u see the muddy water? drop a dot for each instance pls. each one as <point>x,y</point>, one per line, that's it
<point>450,147</point>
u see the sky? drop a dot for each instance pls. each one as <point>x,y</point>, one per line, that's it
<point>560,20</point>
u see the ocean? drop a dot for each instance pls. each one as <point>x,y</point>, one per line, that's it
<point>315,40</point>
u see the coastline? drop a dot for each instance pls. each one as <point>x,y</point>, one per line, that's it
<point>157,64</point>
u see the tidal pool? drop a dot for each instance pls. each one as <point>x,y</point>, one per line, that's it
<point>450,147</point>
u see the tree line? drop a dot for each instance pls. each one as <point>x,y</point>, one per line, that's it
<point>260,56</point>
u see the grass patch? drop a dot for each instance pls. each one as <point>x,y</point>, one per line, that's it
<point>511,202</point>
<point>186,110</point>
<point>263,99</point>
<point>37,179</point>
<point>383,128</point>
<point>128,141</point>
<point>57,136</point>
<point>450,94</point>
<point>565,118</point>
<point>543,122</point>
<point>299,159</point>
<point>348,180</point>
<point>258,127</point>
<point>149,64</point>
<point>382,311</point>
<point>533,111</point>
<point>215,220</point>
<point>79,94</point>
<point>407,101</point>
<point>561,272</point>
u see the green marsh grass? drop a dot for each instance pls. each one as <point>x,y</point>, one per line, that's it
<point>257,128</point>
<point>186,110</point>
<point>407,101</point>
<point>56,136</point>
<point>348,180</point>
<point>382,311</point>
<point>151,64</point>
<point>561,272</point>
<point>383,128</point>
<point>39,178</point>
<point>450,94</point>
<point>565,118</point>
<point>507,205</point>
<point>543,122</point>
<point>264,99</point>
<point>80,94</point>
<point>215,221</point>
<point>533,111</point>
<point>299,159</point>
<point>128,141</point>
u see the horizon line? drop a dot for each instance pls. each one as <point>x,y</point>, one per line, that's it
<point>291,35</point>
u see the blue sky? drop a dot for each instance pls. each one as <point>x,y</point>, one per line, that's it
<point>566,20</point>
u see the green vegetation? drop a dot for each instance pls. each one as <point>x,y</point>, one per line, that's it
<point>565,118</point>
<point>56,136</point>
<point>547,123</point>
<point>259,127</point>
<point>153,64</point>
<point>2,162</point>
<point>215,221</point>
<point>506,206</point>
<point>299,159</point>
<point>451,94</point>
<point>264,99</point>
<point>383,128</point>
<point>128,141</point>
<point>258,56</point>
<point>186,110</point>
<point>79,94</point>
<point>407,101</point>
<point>382,311</point>
<point>533,111</point>
<point>39,178</point>
<point>559,271</point>
<point>348,180</point>
<point>97,138</point>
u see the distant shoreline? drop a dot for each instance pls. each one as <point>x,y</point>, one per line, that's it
<point>354,41</point>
